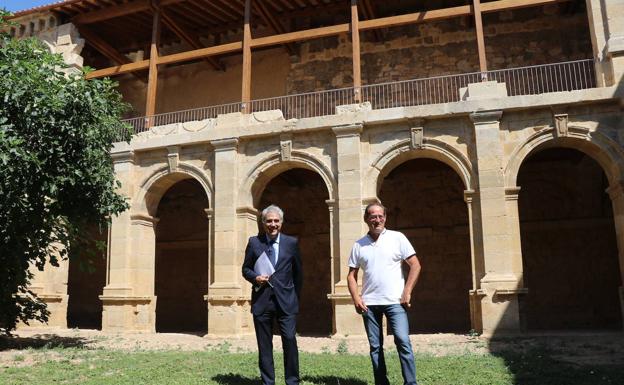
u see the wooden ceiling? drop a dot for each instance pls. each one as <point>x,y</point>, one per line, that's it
<point>115,28</point>
<point>128,23</point>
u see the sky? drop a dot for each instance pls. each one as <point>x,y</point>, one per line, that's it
<point>20,5</point>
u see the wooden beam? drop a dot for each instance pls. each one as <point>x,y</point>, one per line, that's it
<point>272,22</point>
<point>355,47</point>
<point>118,10</point>
<point>189,37</point>
<point>152,84</point>
<point>505,5</point>
<point>246,76</point>
<point>118,70</point>
<point>200,53</point>
<point>416,17</point>
<point>307,34</point>
<point>476,10</point>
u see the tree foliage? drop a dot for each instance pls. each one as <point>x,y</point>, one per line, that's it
<point>56,174</point>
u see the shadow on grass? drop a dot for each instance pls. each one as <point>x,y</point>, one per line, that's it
<point>591,363</point>
<point>43,341</point>
<point>235,379</point>
<point>333,380</point>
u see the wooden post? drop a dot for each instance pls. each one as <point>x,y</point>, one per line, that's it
<point>355,45</point>
<point>476,8</point>
<point>246,91</point>
<point>152,82</point>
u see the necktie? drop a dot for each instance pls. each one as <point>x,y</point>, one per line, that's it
<point>271,252</point>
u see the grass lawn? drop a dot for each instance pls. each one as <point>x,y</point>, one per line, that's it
<point>71,365</point>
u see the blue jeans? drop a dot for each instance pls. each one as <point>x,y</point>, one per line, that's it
<point>399,327</point>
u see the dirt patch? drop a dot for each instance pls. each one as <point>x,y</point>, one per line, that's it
<point>30,346</point>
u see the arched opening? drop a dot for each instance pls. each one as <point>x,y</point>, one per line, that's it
<point>425,201</point>
<point>181,280</point>
<point>569,248</point>
<point>302,193</point>
<point>85,282</point>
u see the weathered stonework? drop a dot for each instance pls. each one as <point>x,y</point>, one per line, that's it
<point>463,180</point>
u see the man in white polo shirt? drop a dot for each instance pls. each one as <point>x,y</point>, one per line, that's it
<point>380,254</point>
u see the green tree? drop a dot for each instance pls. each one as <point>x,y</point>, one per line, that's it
<point>56,174</point>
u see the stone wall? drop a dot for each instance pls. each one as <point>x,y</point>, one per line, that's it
<point>517,38</point>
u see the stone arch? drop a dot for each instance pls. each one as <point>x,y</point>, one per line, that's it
<point>402,152</point>
<point>545,249</point>
<point>423,191</point>
<point>156,184</point>
<point>265,170</point>
<point>598,146</point>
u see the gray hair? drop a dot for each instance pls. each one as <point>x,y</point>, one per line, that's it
<point>273,209</point>
<point>369,206</point>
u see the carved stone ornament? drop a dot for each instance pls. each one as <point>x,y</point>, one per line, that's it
<point>285,150</point>
<point>561,124</point>
<point>173,157</point>
<point>416,134</point>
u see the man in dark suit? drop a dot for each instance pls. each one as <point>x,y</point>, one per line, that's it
<point>275,296</point>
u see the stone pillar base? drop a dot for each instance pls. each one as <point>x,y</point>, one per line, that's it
<point>346,320</point>
<point>500,308</point>
<point>57,306</point>
<point>229,315</point>
<point>476,314</point>
<point>129,313</point>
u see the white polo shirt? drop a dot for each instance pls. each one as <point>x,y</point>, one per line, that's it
<point>380,262</point>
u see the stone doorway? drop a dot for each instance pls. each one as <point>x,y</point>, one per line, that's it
<point>302,194</point>
<point>425,201</point>
<point>85,282</point>
<point>569,250</point>
<point>181,280</point>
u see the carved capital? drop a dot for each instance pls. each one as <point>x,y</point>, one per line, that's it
<point>228,144</point>
<point>144,220</point>
<point>348,130</point>
<point>486,117</point>
<point>511,193</point>
<point>469,196</point>
<point>247,212</point>
<point>123,157</point>
<point>616,190</point>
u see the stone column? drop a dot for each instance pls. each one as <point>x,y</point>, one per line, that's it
<point>350,224</point>
<point>616,193</point>
<point>50,286</point>
<point>334,263</point>
<point>503,273</point>
<point>606,24</point>
<point>128,298</point>
<point>225,299</point>
<point>476,263</point>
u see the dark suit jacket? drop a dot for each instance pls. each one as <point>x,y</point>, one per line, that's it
<point>286,280</point>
